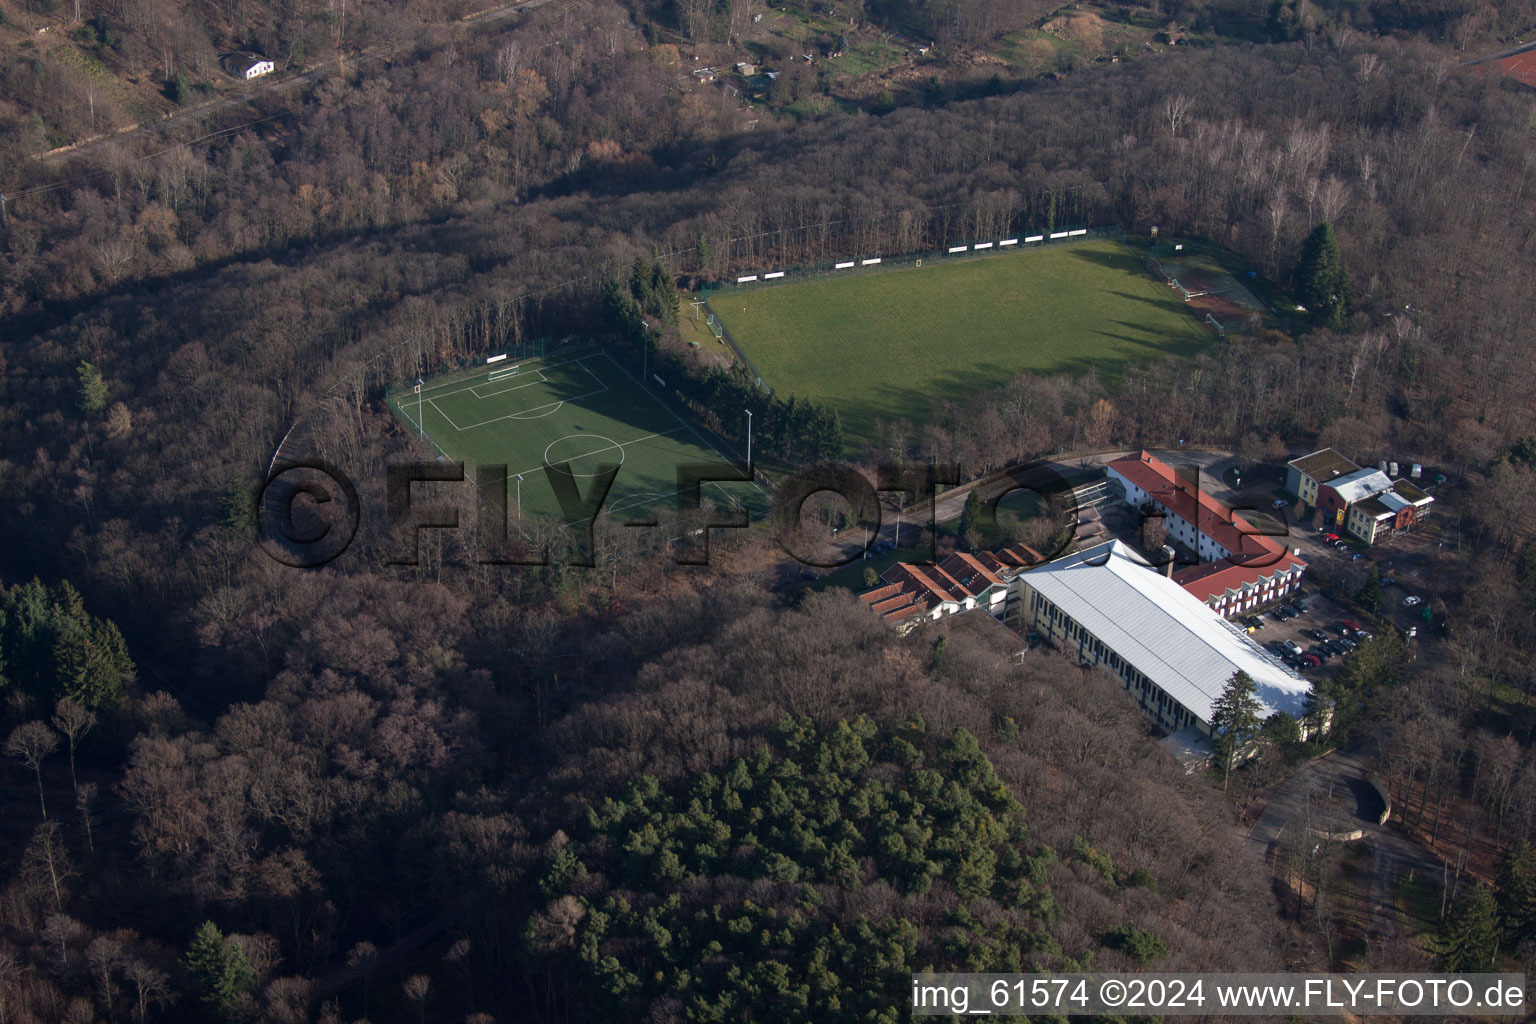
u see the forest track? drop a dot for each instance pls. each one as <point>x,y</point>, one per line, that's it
<point>260,90</point>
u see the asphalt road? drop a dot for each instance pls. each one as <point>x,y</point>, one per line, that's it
<point>1393,853</point>
<point>1512,51</point>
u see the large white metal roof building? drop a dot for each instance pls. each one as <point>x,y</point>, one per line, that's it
<point>1156,627</point>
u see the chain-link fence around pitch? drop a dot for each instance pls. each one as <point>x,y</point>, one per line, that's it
<point>482,362</point>
<point>723,333</point>
<point>405,399</point>
<point>872,264</point>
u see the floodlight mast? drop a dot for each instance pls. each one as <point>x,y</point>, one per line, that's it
<point>421,427</point>
<point>749,442</point>
<point>519,495</point>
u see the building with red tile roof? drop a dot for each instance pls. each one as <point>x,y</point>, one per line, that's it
<point>912,592</point>
<point>1240,567</point>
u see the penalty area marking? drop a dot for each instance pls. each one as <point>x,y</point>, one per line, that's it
<point>540,411</point>
<point>523,382</point>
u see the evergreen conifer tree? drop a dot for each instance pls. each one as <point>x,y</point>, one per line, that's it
<point>1469,939</point>
<point>1322,283</point>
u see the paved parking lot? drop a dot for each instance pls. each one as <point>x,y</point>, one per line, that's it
<point>1320,613</point>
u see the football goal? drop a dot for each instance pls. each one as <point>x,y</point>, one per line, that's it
<point>502,374</point>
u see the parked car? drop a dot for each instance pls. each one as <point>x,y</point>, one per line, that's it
<point>1292,647</point>
<point>1316,634</point>
<point>1350,642</point>
<point>1255,621</point>
<point>1275,647</point>
<point>1352,626</point>
<point>1330,537</point>
<point>1291,609</point>
<point>1311,660</point>
<point>1279,503</point>
<point>1412,600</point>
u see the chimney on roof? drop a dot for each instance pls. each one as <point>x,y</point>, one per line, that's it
<point>1169,554</point>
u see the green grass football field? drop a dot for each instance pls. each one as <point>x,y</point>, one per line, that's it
<point>899,343</point>
<point>584,409</point>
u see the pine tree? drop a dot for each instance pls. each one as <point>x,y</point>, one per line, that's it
<point>1322,283</point>
<point>1369,595</point>
<point>664,292</point>
<point>970,521</point>
<point>1469,939</point>
<point>1235,715</point>
<point>640,283</point>
<point>1517,895</point>
<point>622,311</point>
<point>237,507</point>
<point>1318,705</point>
<point>90,661</point>
<point>830,435</point>
<point>93,389</point>
<point>222,971</point>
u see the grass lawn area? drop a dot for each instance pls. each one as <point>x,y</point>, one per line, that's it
<point>1031,50</point>
<point>1013,511</point>
<point>580,408</point>
<point>851,576</point>
<point>899,343</point>
<point>864,58</point>
<point>691,330</point>
<point>1418,898</point>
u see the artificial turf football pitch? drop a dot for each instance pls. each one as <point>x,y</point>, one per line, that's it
<point>899,343</point>
<point>580,408</point>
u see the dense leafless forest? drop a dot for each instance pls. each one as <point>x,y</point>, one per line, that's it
<point>362,775</point>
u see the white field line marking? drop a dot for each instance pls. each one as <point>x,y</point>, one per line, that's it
<point>515,387</point>
<point>433,403</point>
<point>540,468</point>
<point>470,383</point>
<point>702,440</point>
<point>524,413</point>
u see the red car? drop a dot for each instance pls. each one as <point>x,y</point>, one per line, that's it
<point>1352,625</point>
<point>1311,660</point>
<point>1330,537</point>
